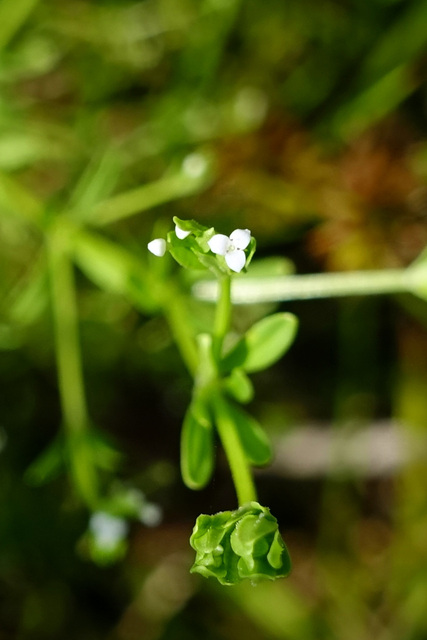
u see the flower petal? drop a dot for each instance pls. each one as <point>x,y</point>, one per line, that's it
<point>219,244</point>
<point>180,233</point>
<point>235,260</point>
<point>240,238</point>
<point>157,246</point>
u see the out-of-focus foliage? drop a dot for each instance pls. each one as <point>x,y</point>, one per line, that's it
<point>301,120</point>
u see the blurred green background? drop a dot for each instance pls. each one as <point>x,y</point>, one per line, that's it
<point>303,120</point>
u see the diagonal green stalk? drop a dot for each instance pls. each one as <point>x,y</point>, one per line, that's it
<point>70,376</point>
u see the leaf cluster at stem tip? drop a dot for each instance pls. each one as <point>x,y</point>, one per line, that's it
<point>235,545</point>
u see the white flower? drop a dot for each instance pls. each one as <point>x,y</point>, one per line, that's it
<point>107,530</point>
<point>232,247</point>
<point>158,247</point>
<point>180,233</point>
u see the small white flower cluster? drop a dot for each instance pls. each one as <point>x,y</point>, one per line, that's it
<point>232,247</point>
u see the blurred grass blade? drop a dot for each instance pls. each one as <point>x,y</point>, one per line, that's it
<point>96,183</point>
<point>194,175</point>
<point>113,268</point>
<point>13,14</point>
<point>15,199</point>
<point>30,296</point>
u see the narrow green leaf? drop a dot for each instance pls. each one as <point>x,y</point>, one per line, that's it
<point>255,441</point>
<point>238,386</point>
<point>197,446</point>
<point>112,268</point>
<point>264,343</point>
<point>250,252</point>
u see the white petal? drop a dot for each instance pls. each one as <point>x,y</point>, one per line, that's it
<point>158,247</point>
<point>219,244</point>
<point>235,260</point>
<point>180,233</point>
<point>240,238</point>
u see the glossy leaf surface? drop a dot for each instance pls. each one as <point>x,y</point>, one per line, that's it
<point>263,344</point>
<point>197,446</point>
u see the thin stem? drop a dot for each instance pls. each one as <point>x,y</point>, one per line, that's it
<point>239,466</point>
<point>70,376</point>
<point>323,285</point>
<point>223,315</point>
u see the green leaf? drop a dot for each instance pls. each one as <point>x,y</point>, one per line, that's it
<point>203,239</point>
<point>253,438</point>
<point>184,251</point>
<point>250,252</point>
<point>264,343</point>
<point>197,446</point>
<point>238,386</point>
<point>190,225</point>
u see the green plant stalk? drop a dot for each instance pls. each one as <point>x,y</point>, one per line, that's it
<point>70,376</point>
<point>239,466</point>
<point>305,287</point>
<point>222,316</point>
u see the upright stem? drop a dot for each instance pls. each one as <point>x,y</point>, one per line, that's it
<point>70,376</point>
<point>239,466</point>
<point>223,316</point>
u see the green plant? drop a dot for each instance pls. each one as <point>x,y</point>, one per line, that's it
<point>245,543</point>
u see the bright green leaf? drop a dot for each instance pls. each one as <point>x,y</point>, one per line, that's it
<point>197,447</point>
<point>264,343</point>
<point>190,225</point>
<point>184,251</point>
<point>238,386</point>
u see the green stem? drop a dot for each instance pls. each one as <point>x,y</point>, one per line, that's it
<point>240,468</point>
<point>323,285</point>
<point>223,316</point>
<point>70,376</point>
